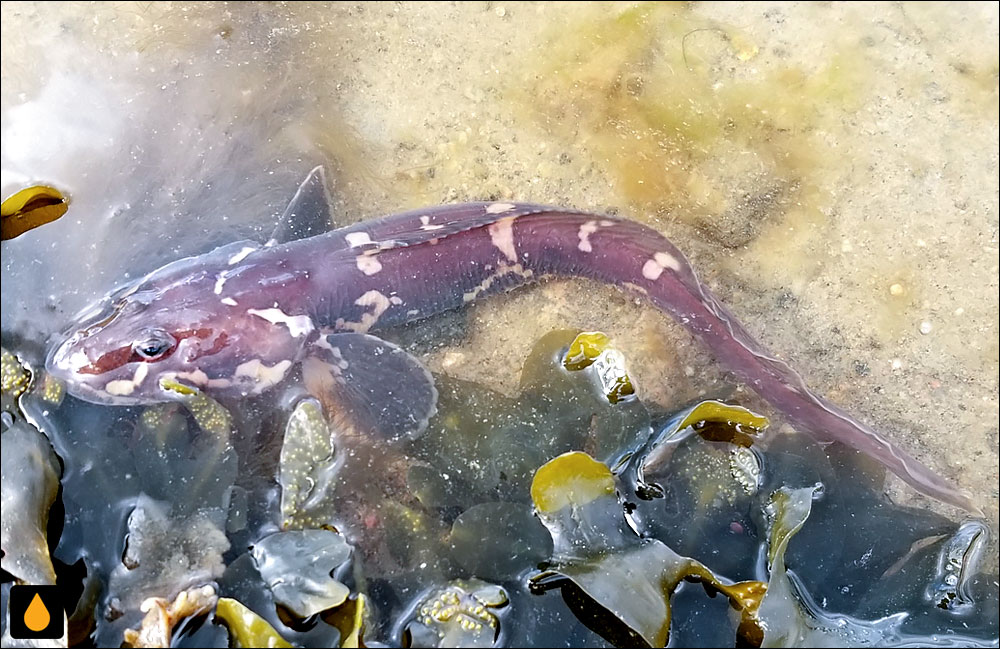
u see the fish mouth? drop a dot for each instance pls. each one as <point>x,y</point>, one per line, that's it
<point>64,360</point>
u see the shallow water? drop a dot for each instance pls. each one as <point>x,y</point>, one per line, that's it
<point>830,171</point>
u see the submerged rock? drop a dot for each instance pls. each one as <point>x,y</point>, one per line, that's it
<point>298,567</point>
<point>166,554</point>
<point>461,614</point>
<point>30,483</point>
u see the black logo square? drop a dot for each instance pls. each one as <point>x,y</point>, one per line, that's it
<point>36,612</point>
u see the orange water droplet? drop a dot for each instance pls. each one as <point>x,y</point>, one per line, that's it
<point>36,617</point>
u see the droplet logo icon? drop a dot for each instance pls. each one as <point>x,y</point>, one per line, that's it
<point>37,617</point>
<point>36,612</point>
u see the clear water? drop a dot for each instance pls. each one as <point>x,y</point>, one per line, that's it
<point>178,128</point>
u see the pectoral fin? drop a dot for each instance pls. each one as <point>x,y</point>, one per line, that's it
<point>309,213</point>
<point>370,386</point>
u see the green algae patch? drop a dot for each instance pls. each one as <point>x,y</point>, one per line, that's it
<point>691,124</point>
<point>573,478</point>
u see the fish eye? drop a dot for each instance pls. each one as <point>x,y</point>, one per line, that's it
<point>153,346</point>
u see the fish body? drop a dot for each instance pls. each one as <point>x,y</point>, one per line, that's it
<point>235,321</point>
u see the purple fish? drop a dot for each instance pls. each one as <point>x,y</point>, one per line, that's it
<point>235,321</point>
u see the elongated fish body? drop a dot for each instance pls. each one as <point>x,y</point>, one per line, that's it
<point>233,322</point>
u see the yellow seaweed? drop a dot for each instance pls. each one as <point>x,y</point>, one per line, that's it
<point>741,421</point>
<point>246,628</point>
<point>592,349</point>
<point>351,618</point>
<point>630,578</point>
<point>573,478</point>
<point>208,413</point>
<point>585,349</point>
<point>308,469</point>
<point>30,208</point>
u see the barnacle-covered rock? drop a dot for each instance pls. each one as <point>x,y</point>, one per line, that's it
<point>298,567</point>
<point>163,615</point>
<point>462,614</point>
<point>745,467</point>
<point>246,628</point>
<point>956,564</point>
<point>308,468</point>
<point>29,486</point>
<point>14,378</point>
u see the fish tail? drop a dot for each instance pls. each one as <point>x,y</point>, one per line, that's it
<point>642,261</point>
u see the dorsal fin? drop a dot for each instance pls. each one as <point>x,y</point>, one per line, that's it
<point>308,213</point>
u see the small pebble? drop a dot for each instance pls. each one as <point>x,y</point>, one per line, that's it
<point>926,327</point>
<point>452,358</point>
<point>896,289</point>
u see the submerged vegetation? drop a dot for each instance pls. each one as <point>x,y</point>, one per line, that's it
<point>271,527</point>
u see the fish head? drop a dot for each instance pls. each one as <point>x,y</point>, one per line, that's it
<point>173,326</point>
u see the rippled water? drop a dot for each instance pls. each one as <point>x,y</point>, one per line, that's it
<point>836,181</point>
